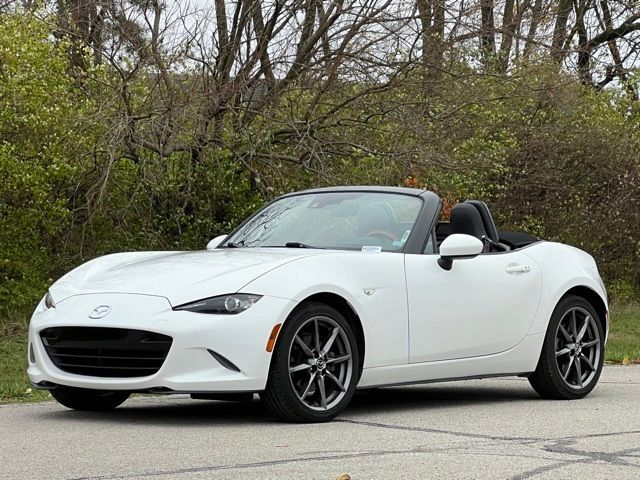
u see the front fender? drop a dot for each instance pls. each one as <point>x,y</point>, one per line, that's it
<point>382,310</point>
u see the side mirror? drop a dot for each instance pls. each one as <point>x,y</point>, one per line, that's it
<point>458,247</point>
<point>215,242</point>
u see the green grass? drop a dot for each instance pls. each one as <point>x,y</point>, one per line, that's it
<point>14,385</point>
<point>624,334</point>
<point>623,347</point>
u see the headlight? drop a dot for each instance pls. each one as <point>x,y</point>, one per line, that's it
<point>224,304</point>
<point>48,301</point>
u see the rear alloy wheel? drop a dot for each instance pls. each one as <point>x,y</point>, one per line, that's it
<point>87,399</point>
<point>573,352</point>
<point>314,369</point>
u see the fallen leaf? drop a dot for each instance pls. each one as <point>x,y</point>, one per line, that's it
<point>344,476</point>
<point>625,361</point>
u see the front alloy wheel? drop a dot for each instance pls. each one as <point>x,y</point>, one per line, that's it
<point>314,369</point>
<point>320,363</point>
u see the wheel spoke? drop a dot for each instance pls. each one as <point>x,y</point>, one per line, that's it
<point>583,329</point>
<point>336,381</point>
<point>577,347</point>
<point>320,363</point>
<point>588,362</point>
<point>340,359</point>
<point>590,343</point>
<point>569,365</point>
<point>578,371</point>
<point>565,334</point>
<point>317,335</point>
<point>327,346</point>
<point>299,368</point>
<point>323,393</point>
<point>305,348</point>
<point>312,377</point>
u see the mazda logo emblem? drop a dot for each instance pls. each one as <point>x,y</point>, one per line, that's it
<point>100,311</point>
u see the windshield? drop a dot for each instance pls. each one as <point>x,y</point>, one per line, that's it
<point>334,220</point>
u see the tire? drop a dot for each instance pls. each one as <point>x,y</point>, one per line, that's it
<point>89,400</point>
<point>575,371</point>
<point>297,396</point>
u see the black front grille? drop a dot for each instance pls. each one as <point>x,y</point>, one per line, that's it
<point>106,352</point>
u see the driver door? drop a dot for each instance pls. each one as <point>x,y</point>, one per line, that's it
<point>482,306</point>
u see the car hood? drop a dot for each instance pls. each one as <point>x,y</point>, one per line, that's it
<point>181,277</point>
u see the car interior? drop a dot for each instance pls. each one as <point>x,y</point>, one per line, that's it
<point>472,217</point>
<point>379,222</point>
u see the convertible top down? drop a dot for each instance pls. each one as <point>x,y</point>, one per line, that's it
<point>321,292</point>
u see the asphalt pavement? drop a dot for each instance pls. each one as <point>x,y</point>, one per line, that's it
<point>475,429</point>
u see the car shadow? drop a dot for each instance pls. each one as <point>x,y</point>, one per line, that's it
<point>173,410</point>
<point>444,395</point>
<point>183,411</point>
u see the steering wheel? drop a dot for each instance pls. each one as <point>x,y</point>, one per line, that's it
<point>382,233</point>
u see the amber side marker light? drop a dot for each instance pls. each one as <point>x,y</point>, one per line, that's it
<point>272,338</point>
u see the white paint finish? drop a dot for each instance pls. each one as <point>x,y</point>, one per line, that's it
<point>214,243</point>
<point>348,274</point>
<point>563,267</point>
<point>460,245</point>
<point>241,338</point>
<point>483,309</point>
<point>179,276</point>
<point>520,359</point>
<point>476,308</point>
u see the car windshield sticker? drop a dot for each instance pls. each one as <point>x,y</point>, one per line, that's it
<point>405,236</point>
<point>372,248</point>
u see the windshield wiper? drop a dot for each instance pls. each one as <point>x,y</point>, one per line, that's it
<point>235,244</point>
<point>286,245</point>
<point>298,245</point>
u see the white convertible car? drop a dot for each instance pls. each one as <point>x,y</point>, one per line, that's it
<point>319,293</point>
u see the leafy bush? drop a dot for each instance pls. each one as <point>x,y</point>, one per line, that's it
<point>37,159</point>
<point>551,157</point>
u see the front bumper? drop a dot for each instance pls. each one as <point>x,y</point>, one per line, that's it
<point>189,366</point>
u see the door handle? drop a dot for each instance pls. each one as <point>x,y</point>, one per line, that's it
<point>517,268</point>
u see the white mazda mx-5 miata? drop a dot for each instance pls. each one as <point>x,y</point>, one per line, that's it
<point>319,293</point>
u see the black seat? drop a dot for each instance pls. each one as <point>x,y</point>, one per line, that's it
<point>466,219</point>
<point>487,219</point>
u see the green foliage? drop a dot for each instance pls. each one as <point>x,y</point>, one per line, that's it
<point>36,156</point>
<point>622,292</point>
<point>551,157</point>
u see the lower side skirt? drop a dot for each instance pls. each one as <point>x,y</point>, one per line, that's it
<point>241,396</point>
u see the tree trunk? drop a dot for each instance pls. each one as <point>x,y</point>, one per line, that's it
<point>560,30</point>
<point>487,32</point>
<point>536,15</point>
<point>584,55</point>
<point>508,29</point>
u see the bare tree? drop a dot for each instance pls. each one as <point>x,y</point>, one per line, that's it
<point>271,82</point>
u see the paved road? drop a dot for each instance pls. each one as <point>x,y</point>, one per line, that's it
<point>472,429</point>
